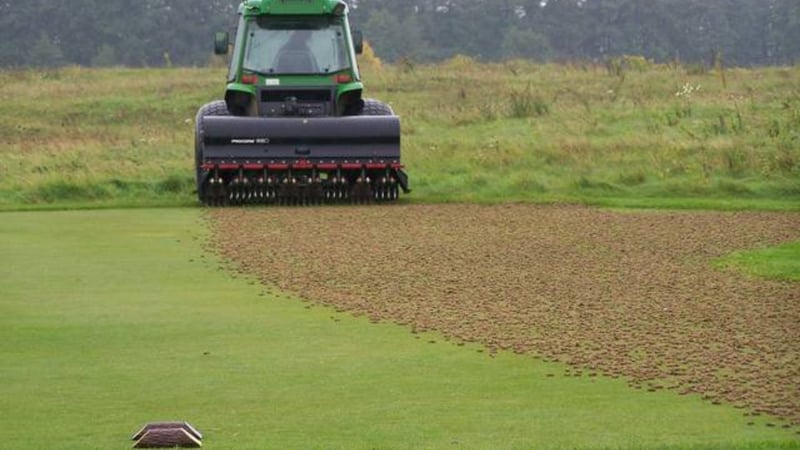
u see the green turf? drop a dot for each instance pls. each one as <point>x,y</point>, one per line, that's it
<point>780,263</point>
<point>109,319</point>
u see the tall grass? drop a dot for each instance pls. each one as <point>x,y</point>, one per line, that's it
<point>600,134</point>
<point>629,133</point>
<point>81,135</point>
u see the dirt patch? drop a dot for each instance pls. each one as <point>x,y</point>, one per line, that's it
<point>618,293</point>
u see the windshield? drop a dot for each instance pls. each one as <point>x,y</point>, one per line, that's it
<point>296,46</point>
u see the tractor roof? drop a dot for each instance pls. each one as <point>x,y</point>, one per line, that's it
<point>294,7</point>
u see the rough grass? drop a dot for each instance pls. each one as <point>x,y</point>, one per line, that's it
<point>98,136</point>
<point>517,131</point>
<point>110,319</point>
<point>521,131</point>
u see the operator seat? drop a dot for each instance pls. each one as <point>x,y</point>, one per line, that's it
<point>296,61</point>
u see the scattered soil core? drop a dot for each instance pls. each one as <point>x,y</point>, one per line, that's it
<point>630,294</point>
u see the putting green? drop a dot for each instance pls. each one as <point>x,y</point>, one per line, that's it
<point>110,319</point>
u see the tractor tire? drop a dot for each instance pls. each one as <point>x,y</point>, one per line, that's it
<point>215,108</point>
<point>374,107</point>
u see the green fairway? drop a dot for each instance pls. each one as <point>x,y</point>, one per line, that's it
<point>109,319</point>
<point>780,263</point>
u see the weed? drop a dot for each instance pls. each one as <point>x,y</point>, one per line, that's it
<point>527,184</point>
<point>524,103</point>
<point>774,129</point>
<point>488,111</point>
<point>587,184</point>
<point>70,191</point>
<point>617,66</point>
<point>634,178</point>
<point>176,183</point>
<point>734,188</point>
<point>721,126</point>
<point>695,69</point>
<point>406,64</point>
<point>736,161</point>
<point>785,159</point>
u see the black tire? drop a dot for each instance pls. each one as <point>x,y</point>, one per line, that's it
<point>215,108</point>
<point>374,107</point>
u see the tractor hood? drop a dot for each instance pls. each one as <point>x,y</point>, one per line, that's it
<point>295,7</point>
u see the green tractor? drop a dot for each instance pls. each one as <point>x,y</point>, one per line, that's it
<point>294,127</point>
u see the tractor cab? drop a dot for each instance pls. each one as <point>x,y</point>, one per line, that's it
<point>298,43</point>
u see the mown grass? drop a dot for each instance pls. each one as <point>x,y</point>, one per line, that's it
<point>640,135</point>
<point>109,319</point>
<point>779,263</point>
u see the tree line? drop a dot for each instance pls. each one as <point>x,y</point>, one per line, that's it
<point>178,32</point>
